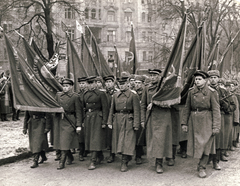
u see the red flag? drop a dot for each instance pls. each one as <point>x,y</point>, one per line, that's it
<point>40,70</point>
<point>38,51</point>
<point>75,67</point>
<point>132,63</point>
<point>117,64</point>
<point>28,92</point>
<point>169,92</point>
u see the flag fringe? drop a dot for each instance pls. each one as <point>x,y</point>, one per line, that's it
<point>38,109</point>
<point>167,103</point>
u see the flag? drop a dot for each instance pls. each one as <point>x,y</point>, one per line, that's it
<point>132,63</point>
<point>64,27</point>
<point>117,64</point>
<point>47,79</point>
<point>213,57</point>
<point>88,61</point>
<point>75,68</point>
<point>169,93</point>
<point>28,92</point>
<point>38,51</point>
<point>79,27</point>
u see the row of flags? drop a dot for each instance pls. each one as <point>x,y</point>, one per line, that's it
<point>34,85</point>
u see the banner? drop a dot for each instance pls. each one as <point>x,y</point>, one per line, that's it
<point>132,63</point>
<point>28,92</point>
<point>117,64</point>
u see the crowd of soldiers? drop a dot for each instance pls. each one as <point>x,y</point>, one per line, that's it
<point>122,117</point>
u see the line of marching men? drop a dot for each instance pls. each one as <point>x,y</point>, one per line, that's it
<point>126,119</point>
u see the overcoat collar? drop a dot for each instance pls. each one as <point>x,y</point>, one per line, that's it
<point>127,93</point>
<point>204,90</point>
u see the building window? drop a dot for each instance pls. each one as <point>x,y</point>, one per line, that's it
<point>86,14</point>
<point>144,56</point>
<point>99,14</point>
<point>69,13</point>
<point>70,32</point>
<point>143,17</point>
<point>144,36</point>
<point>128,16</point>
<point>149,18</point>
<point>111,16</point>
<point>128,36</point>
<point>150,56</point>
<point>93,13</point>
<point>111,36</point>
<point>150,36</point>
<point>5,27</point>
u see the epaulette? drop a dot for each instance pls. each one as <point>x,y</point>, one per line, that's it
<point>212,89</point>
<point>133,91</point>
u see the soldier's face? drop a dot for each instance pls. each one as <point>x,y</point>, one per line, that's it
<point>132,82</point>
<point>109,84</point>
<point>154,78</point>
<point>99,84</point>
<point>82,85</point>
<point>138,84</point>
<point>92,85</point>
<point>233,88</point>
<point>214,80</point>
<point>123,86</point>
<point>66,87</point>
<point>221,85</point>
<point>200,81</point>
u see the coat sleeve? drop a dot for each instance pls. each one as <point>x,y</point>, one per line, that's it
<point>186,110</point>
<point>105,108</point>
<point>216,115</point>
<point>78,111</point>
<point>26,118</point>
<point>111,111</point>
<point>236,112</point>
<point>136,110</point>
<point>144,105</point>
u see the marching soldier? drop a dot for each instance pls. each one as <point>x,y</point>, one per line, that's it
<point>201,118</point>
<point>82,89</point>
<point>110,90</point>
<point>139,88</point>
<point>66,125</point>
<point>159,124</point>
<point>37,127</point>
<point>96,113</point>
<point>124,119</point>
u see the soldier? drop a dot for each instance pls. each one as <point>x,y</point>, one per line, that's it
<point>226,105</point>
<point>124,119</point>
<point>96,113</point>
<point>66,125</point>
<point>131,81</point>
<point>99,83</point>
<point>159,124</point>
<point>140,139</point>
<point>110,90</point>
<point>201,118</point>
<point>37,127</point>
<point>82,89</point>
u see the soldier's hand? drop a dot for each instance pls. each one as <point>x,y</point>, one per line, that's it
<point>149,107</point>
<point>78,129</point>
<point>135,128</point>
<point>215,131</point>
<point>46,131</point>
<point>143,124</point>
<point>24,131</point>
<point>103,126</point>
<point>184,128</point>
<point>110,126</point>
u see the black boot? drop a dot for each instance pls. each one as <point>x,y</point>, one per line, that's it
<point>70,157</point>
<point>171,161</point>
<point>58,155</point>
<point>202,166</point>
<point>139,153</point>
<point>62,159</point>
<point>223,155</point>
<point>17,114</point>
<point>43,157</point>
<point>100,157</point>
<point>35,160</point>
<point>183,147</point>
<point>111,157</point>
<point>124,163</point>
<point>81,151</point>
<point>92,165</point>
<point>158,164</point>
<point>215,161</point>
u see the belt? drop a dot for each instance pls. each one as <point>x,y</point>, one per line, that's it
<point>125,111</point>
<point>200,109</point>
<point>92,110</point>
<point>37,117</point>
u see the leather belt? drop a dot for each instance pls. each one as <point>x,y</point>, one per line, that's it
<point>200,109</point>
<point>125,111</point>
<point>37,117</point>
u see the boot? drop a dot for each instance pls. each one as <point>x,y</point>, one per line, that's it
<point>226,153</point>
<point>35,160</point>
<point>100,157</point>
<point>17,114</point>
<point>124,162</point>
<point>171,161</point>
<point>210,159</point>
<point>111,158</point>
<point>222,157</point>
<point>43,157</point>
<point>159,162</point>
<point>202,166</point>
<point>139,153</point>
<point>184,154</point>
<point>201,172</point>
<point>70,157</point>
<point>58,155</point>
<point>215,161</point>
<point>63,159</point>
<point>73,151</point>
<point>81,151</point>
<point>92,165</point>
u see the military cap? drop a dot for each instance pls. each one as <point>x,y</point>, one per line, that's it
<point>154,71</point>
<point>109,77</point>
<point>91,79</point>
<point>122,80</point>
<point>201,73</point>
<point>82,79</point>
<point>125,74</point>
<point>98,78</point>
<point>67,81</point>
<point>221,80</point>
<point>139,78</point>
<point>214,73</point>
<point>228,83</point>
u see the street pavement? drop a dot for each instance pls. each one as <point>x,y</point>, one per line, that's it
<point>184,173</point>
